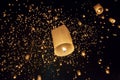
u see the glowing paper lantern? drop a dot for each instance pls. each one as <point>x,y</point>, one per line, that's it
<point>62,41</point>
<point>27,57</point>
<point>78,72</point>
<point>39,77</point>
<point>98,9</point>
<point>111,20</point>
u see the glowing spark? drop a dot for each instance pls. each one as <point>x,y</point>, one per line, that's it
<point>64,49</point>
<point>83,54</point>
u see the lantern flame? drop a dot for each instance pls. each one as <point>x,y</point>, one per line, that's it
<point>64,49</point>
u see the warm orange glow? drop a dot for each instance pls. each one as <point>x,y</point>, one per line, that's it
<point>112,20</point>
<point>14,77</point>
<point>107,71</point>
<point>39,77</point>
<point>27,57</point>
<point>98,9</point>
<point>62,41</point>
<point>83,54</point>
<point>78,72</point>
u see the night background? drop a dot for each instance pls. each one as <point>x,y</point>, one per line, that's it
<point>26,47</point>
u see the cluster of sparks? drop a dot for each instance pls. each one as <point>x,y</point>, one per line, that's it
<point>26,46</point>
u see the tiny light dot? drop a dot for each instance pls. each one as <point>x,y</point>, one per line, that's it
<point>39,77</point>
<point>107,71</point>
<point>60,64</point>
<point>119,26</point>
<point>106,9</point>
<point>14,77</point>
<point>100,61</point>
<point>83,16</point>
<point>83,54</point>
<point>103,17</point>
<point>79,23</point>
<point>32,29</point>
<point>108,67</point>
<point>78,72</point>
<point>27,57</point>
<point>33,79</point>
<point>114,34</point>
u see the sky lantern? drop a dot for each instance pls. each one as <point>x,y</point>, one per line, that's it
<point>98,9</point>
<point>112,20</point>
<point>62,41</point>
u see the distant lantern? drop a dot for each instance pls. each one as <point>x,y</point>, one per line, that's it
<point>98,9</point>
<point>78,72</point>
<point>111,20</point>
<point>39,77</point>
<point>27,57</point>
<point>62,41</point>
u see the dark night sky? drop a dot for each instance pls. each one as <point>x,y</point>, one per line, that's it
<point>112,45</point>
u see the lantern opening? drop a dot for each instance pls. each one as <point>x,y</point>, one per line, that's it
<point>64,49</point>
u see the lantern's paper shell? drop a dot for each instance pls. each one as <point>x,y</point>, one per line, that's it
<point>98,9</point>
<point>62,41</point>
